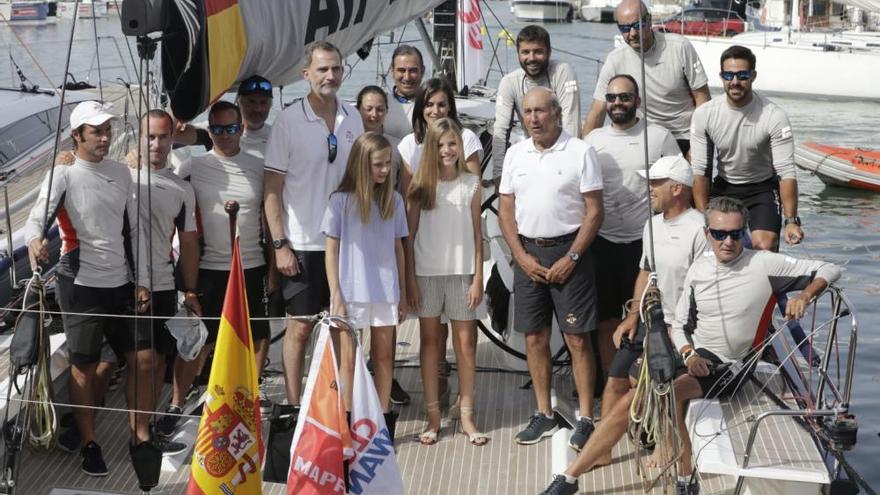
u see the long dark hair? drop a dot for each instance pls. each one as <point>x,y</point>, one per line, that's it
<point>426,91</point>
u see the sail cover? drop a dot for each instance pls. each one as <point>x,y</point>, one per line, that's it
<point>208,45</point>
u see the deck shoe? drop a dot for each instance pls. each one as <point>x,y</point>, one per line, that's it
<point>168,447</point>
<point>561,486</point>
<point>582,431</point>
<point>539,426</point>
<point>69,440</point>
<point>167,424</point>
<point>93,460</point>
<point>687,486</point>
<point>399,397</point>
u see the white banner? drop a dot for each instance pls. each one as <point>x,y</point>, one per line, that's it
<point>469,63</point>
<point>374,469</point>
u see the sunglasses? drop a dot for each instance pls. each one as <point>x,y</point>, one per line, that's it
<point>251,86</point>
<point>331,147</point>
<point>624,97</point>
<point>743,75</point>
<point>626,28</point>
<point>721,235</point>
<point>217,130</point>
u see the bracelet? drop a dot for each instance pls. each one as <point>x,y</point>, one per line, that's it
<point>687,355</point>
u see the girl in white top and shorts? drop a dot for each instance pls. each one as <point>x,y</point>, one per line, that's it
<point>444,268</point>
<point>364,224</point>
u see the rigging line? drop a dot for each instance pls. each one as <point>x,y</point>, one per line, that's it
<point>652,266</point>
<point>97,50</point>
<point>57,143</point>
<point>31,54</point>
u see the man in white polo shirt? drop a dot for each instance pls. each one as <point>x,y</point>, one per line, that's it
<point>620,147</point>
<point>675,79</point>
<point>407,70</point>
<point>305,160</point>
<point>550,211</point>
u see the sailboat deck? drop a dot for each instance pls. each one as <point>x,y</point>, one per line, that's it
<point>452,466</point>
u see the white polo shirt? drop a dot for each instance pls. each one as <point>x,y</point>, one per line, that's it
<point>298,149</point>
<point>549,184</point>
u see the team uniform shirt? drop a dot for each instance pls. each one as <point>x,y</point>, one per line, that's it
<point>444,243</point>
<point>560,77</point>
<point>549,185</point>
<point>398,120</point>
<point>367,260</point>
<point>95,205</point>
<point>170,208</point>
<point>298,149</point>
<point>254,141</point>
<point>672,70</point>
<point>677,243</point>
<point>727,307</point>
<point>621,153</point>
<point>216,180</point>
<point>411,151</point>
<point>752,143</point>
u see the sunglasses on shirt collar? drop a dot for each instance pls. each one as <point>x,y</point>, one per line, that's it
<point>743,75</point>
<point>228,129</point>
<point>626,28</point>
<point>331,147</point>
<point>721,235</point>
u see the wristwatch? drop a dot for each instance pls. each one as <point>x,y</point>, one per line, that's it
<point>279,243</point>
<point>574,256</point>
<point>795,220</point>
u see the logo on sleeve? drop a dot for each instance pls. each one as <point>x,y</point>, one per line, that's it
<point>698,67</point>
<point>786,133</point>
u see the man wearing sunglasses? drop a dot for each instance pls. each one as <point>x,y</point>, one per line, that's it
<point>254,98</point>
<point>751,140</point>
<point>676,82</point>
<point>536,69</point>
<point>305,160</point>
<point>407,70</point>
<point>617,248</point>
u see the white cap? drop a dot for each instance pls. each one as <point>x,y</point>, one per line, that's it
<point>671,167</point>
<point>91,113</point>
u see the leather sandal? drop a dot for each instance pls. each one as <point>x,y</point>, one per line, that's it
<point>431,437</point>
<point>477,438</point>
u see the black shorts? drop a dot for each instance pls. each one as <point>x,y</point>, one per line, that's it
<point>628,353</point>
<point>308,292</point>
<point>617,267</point>
<point>86,334</point>
<point>212,285</point>
<point>164,303</point>
<point>684,145</point>
<point>723,378</point>
<point>761,199</point>
<point>573,303</point>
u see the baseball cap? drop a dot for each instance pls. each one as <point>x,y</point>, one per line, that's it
<point>255,85</point>
<point>91,113</point>
<point>671,167</point>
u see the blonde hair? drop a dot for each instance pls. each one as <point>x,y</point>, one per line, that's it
<point>423,189</point>
<point>358,178</point>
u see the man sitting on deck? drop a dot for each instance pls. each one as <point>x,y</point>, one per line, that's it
<point>719,319</point>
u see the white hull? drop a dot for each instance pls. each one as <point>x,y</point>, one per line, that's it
<point>800,68</point>
<point>542,10</point>
<point>86,10</point>
<point>591,13</point>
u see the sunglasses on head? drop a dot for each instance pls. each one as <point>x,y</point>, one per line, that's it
<point>721,235</point>
<point>228,129</point>
<point>743,75</point>
<point>256,86</point>
<point>624,97</point>
<point>331,147</point>
<point>625,28</point>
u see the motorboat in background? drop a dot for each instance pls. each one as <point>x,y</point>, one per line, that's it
<point>24,10</point>
<point>849,167</point>
<point>543,10</point>
<point>87,9</point>
<point>599,10</point>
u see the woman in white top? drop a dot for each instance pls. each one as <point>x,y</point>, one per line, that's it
<point>435,100</point>
<point>444,259</point>
<point>372,103</point>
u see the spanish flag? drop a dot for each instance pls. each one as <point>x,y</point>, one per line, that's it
<point>227,44</point>
<point>228,454</point>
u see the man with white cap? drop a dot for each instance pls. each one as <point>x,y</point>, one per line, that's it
<point>94,202</point>
<point>678,240</point>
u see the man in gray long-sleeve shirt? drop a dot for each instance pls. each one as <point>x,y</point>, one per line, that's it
<point>536,69</point>
<point>752,139</point>
<point>724,309</point>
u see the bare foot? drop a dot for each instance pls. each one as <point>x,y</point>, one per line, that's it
<point>660,458</point>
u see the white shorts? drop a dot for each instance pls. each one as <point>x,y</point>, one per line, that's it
<point>365,315</point>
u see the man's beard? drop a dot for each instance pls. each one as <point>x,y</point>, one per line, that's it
<point>542,70</point>
<point>623,118</point>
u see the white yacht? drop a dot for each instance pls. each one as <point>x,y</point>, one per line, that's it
<point>543,10</point>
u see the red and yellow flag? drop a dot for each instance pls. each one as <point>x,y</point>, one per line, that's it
<point>227,44</point>
<point>228,452</point>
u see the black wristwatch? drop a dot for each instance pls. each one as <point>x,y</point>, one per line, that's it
<point>795,220</point>
<point>280,243</point>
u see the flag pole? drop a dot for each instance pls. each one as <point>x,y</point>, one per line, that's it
<point>231,208</point>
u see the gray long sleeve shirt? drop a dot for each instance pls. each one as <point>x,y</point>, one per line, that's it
<point>560,77</point>
<point>725,307</point>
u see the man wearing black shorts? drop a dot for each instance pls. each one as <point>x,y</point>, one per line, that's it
<point>751,139</point>
<point>550,211</point>
<point>305,160</point>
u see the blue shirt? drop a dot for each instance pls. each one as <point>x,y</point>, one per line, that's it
<point>367,262</point>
